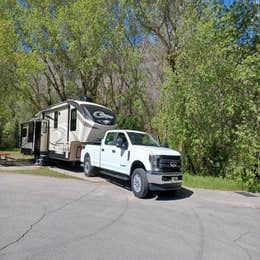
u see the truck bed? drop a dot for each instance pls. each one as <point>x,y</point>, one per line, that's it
<point>94,149</point>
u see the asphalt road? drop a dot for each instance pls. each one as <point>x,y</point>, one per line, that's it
<point>49,218</point>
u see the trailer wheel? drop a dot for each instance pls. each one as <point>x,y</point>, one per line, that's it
<point>139,183</point>
<point>88,168</point>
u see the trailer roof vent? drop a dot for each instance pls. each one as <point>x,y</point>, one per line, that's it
<point>85,98</point>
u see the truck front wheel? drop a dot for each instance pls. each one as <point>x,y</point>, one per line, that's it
<point>88,168</point>
<point>139,183</point>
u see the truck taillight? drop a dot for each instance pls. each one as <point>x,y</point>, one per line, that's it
<point>78,152</point>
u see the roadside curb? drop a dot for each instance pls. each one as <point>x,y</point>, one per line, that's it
<point>78,175</point>
<point>19,168</point>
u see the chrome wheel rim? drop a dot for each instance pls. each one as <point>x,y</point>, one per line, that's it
<point>137,183</point>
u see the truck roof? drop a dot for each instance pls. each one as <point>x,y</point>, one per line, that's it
<point>127,130</point>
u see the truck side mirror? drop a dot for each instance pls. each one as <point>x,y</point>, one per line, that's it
<point>166,145</point>
<point>119,142</point>
<point>158,140</point>
<point>125,146</point>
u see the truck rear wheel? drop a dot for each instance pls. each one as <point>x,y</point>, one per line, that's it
<point>139,183</point>
<point>88,168</point>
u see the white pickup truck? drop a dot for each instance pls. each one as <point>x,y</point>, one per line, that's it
<point>135,156</point>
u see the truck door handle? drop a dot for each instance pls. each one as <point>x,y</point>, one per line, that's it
<point>102,149</point>
<point>113,151</point>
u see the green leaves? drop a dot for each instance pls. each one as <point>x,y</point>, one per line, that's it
<point>211,99</point>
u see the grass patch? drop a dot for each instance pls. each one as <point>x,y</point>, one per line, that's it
<point>16,153</point>
<point>11,149</point>
<point>43,171</point>
<point>215,183</point>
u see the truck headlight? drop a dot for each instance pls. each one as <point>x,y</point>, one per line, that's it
<point>154,160</point>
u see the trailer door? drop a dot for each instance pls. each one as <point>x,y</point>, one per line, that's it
<point>44,136</point>
<point>27,130</point>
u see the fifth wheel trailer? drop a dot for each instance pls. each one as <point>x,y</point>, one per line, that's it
<point>59,131</point>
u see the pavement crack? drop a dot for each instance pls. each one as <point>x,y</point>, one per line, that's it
<point>110,223</point>
<point>25,233</point>
<point>236,241</point>
<point>70,202</point>
<point>97,231</point>
<point>202,235</point>
<point>45,214</point>
<point>241,236</point>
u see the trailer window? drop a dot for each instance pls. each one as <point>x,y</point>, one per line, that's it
<point>56,115</point>
<point>24,132</point>
<point>110,138</point>
<point>30,132</point>
<point>73,119</point>
<point>44,127</point>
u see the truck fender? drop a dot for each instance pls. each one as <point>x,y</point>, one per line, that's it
<point>135,165</point>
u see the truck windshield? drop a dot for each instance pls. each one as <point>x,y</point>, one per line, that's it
<point>100,115</point>
<point>142,139</point>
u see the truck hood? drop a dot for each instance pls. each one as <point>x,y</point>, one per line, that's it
<point>156,150</point>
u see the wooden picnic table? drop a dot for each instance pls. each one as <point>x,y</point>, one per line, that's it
<point>3,155</point>
<point>5,159</point>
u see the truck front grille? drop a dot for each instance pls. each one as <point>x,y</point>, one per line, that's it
<point>170,163</point>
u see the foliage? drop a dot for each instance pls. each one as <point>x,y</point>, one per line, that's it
<point>244,163</point>
<point>7,43</point>
<point>76,49</point>
<point>215,183</point>
<point>209,103</point>
<point>16,69</point>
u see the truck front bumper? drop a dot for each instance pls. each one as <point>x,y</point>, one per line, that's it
<point>164,180</point>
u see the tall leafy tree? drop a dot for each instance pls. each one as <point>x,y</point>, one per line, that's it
<point>206,100</point>
<point>7,45</point>
<point>68,38</point>
<point>74,48</point>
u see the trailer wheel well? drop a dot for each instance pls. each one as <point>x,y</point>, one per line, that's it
<point>135,165</point>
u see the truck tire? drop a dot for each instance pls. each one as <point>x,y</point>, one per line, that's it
<point>88,168</point>
<point>139,183</point>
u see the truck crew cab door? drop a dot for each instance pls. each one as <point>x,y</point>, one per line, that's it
<point>122,154</point>
<point>108,147</point>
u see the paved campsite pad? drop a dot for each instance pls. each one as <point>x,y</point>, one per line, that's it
<point>49,218</point>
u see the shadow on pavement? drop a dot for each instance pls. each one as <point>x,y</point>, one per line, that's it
<point>118,182</point>
<point>183,193</point>
<point>67,166</point>
<point>246,194</point>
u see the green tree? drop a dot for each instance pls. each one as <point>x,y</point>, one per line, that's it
<point>7,69</point>
<point>16,68</point>
<point>209,102</point>
<point>67,38</point>
<point>245,161</point>
<point>84,52</point>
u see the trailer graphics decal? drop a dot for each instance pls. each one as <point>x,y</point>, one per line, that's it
<point>102,115</point>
